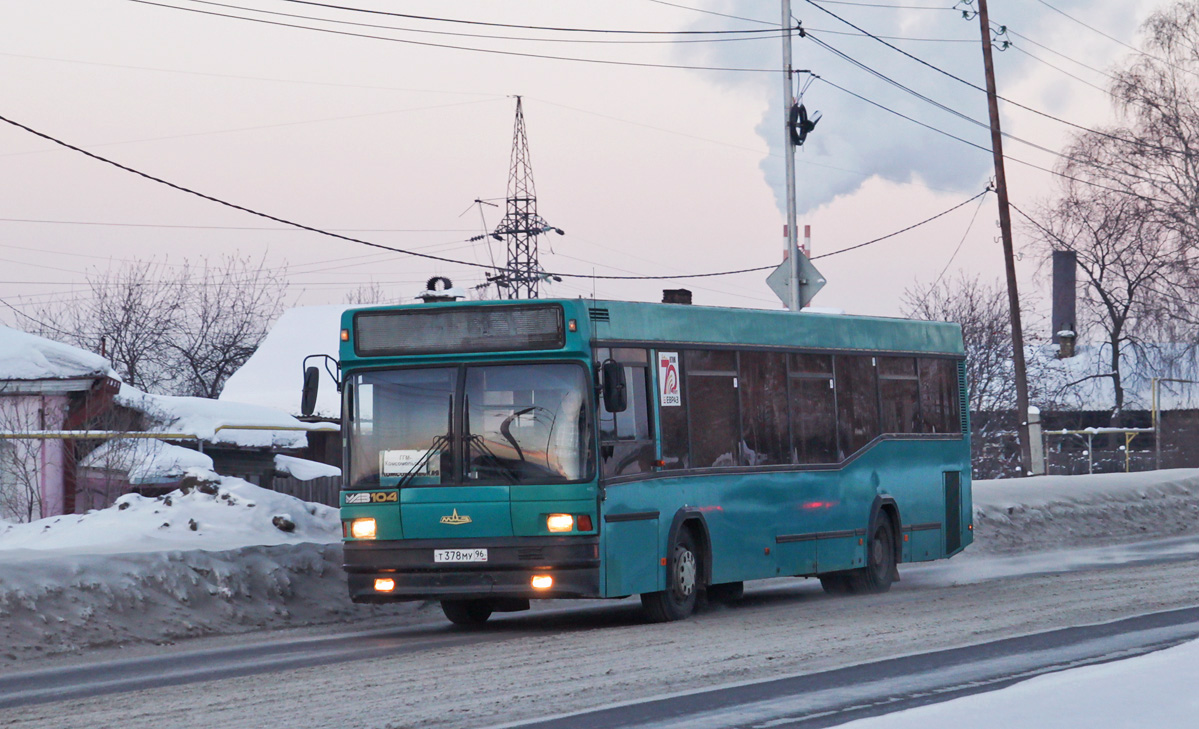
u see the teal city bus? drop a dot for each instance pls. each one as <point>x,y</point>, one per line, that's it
<point>497,452</point>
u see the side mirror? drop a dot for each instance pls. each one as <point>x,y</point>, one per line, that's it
<point>312,381</point>
<point>616,398</point>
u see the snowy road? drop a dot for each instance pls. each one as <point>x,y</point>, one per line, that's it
<point>531,666</point>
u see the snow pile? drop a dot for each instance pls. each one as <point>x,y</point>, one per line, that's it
<point>1095,697</point>
<point>214,513</point>
<point>210,420</point>
<point>145,461</point>
<point>274,375</point>
<point>304,470</point>
<point>1048,512</point>
<point>24,356</point>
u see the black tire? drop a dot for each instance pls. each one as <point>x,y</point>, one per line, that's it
<point>726,593</point>
<point>466,612</point>
<point>683,570</point>
<point>878,574</point>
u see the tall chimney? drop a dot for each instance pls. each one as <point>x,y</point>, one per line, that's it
<point>1065,265</point>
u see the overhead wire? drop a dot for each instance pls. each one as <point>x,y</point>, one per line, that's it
<point>763,34</point>
<point>713,12</point>
<point>419,254</point>
<point>975,86</point>
<point>606,31</point>
<point>448,46</point>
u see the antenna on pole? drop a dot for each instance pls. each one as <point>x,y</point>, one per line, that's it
<point>521,224</point>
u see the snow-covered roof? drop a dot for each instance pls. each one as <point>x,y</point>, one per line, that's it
<point>1067,379</point>
<point>25,356</point>
<point>145,460</point>
<point>210,420</point>
<point>274,375</point>
<point>303,469</point>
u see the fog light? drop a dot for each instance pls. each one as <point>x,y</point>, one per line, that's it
<point>542,582</point>
<point>559,522</point>
<point>385,584</point>
<point>362,528</point>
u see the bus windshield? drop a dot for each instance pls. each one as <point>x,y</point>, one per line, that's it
<point>496,424</point>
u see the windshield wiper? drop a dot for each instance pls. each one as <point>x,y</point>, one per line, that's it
<point>438,444</point>
<point>511,474</point>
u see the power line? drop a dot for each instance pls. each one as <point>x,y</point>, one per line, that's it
<point>519,26</point>
<point>427,44</point>
<point>904,230</point>
<point>417,254</point>
<point>888,6</point>
<point>256,228</point>
<point>972,85</point>
<point>1059,54</point>
<point>713,12</point>
<point>1017,160</point>
<point>776,32</point>
<point>1060,69</point>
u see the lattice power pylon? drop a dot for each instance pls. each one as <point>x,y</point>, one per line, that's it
<point>521,225</point>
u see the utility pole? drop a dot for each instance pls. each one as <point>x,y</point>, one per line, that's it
<point>1009,259</point>
<point>788,102</point>
<point>521,224</point>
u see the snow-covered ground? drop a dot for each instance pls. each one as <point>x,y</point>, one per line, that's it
<point>119,576</point>
<point>1155,690</point>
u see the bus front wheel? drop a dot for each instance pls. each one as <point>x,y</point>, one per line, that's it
<point>677,601</point>
<point>466,612</point>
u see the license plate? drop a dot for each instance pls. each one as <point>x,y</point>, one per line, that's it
<point>459,555</point>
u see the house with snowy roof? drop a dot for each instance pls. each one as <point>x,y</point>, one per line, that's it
<point>274,375</point>
<point>74,437</point>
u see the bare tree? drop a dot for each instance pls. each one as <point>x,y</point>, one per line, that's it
<point>371,294</point>
<point>981,309</point>
<point>225,313</point>
<point>21,470</point>
<point>181,329</point>
<point>1125,258</point>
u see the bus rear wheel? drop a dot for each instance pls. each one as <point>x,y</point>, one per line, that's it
<point>683,572</point>
<point>879,572</point>
<point>466,612</point>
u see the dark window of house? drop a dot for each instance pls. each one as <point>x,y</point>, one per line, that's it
<point>939,396</point>
<point>857,402</point>
<point>626,442</point>
<point>712,407</point>
<point>899,394</point>
<point>763,388</point>
<point>673,420</point>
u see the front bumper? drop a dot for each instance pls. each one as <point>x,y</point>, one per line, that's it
<point>511,563</point>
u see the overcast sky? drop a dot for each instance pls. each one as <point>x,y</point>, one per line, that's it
<point>648,170</point>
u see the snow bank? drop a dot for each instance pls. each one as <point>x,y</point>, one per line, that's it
<point>209,420</point>
<point>1117,694</point>
<point>24,356</point>
<point>145,460</point>
<point>1052,512</point>
<point>303,469</point>
<point>274,375</point>
<point>222,513</point>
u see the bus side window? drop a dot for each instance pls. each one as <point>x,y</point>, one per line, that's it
<point>939,395</point>
<point>813,409</point>
<point>713,408</point>
<point>763,385</point>
<point>857,402</point>
<point>899,394</point>
<point>626,443</point>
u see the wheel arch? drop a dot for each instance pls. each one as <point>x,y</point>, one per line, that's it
<point>694,520</point>
<point>885,507</point>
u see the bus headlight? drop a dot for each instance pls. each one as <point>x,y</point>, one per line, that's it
<point>362,528</point>
<point>542,582</point>
<point>560,522</point>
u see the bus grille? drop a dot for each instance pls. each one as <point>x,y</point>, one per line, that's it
<point>600,315</point>
<point>524,553</point>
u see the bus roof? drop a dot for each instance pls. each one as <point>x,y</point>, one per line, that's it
<point>686,324</point>
<point>681,325</point>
